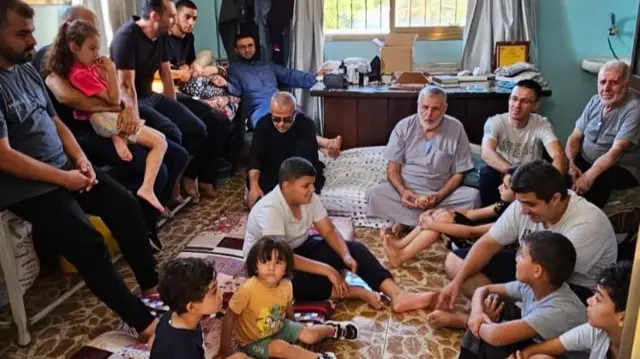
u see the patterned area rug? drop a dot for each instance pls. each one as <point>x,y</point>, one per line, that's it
<point>383,334</point>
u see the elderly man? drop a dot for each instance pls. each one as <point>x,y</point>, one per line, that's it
<point>256,81</point>
<point>428,153</point>
<point>517,137</point>
<point>281,134</point>
<point>603,149</point>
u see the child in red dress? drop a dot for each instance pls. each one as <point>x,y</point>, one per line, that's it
<point>74,55</point>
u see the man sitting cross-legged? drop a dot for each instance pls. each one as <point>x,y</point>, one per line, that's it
<point>288,212</point>
<point>282,134</point>
<point>46,179</point>
<point>428,153</point>
<point>542,203</point>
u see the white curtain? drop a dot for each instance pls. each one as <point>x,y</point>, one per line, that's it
<point>489,21</point>
<point>120,11</point>
<point>96,7</point>
<point>307,50</point>
<point>111,15</point>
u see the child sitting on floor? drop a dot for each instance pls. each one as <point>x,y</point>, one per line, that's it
<point>190,289</point>
<point>462,227</point>
<point>601,336</point>
<point>75,56</point>
<point>549,306</point>
<point>260,313</point>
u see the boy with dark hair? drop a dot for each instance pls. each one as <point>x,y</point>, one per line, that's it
<point>542,203</point>
<point>188,286</point>
<point>288,212</point>
<point>602,334</point>
<point>549,306</point>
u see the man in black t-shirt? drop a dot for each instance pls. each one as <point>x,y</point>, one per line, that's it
<point>100,150</point>
<point>139,49</point>
<point>182,54</point>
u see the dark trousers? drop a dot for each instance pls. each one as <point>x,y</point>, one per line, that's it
<point>612,179</point>
<point>218,126</point>
<point>174,120</point>
<point>476,348</point>
<point>490,180</point>
<point>61,214</point>
<point>312,287</point>
<point>101,152</point>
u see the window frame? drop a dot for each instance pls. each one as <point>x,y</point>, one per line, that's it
<point>430,33</point>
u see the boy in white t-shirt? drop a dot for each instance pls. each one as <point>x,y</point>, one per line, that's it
<point>517,137</point>
<point>288,212</point>
<point>602,334</point>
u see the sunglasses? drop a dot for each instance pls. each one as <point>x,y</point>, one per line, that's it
<point>287,119</point>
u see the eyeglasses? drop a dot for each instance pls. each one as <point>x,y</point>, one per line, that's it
<point>285,120</point>
<point>524,101</point>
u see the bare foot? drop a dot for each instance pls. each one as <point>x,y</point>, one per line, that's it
<point>190,187</point>
<point>207,189</point>
<point>441,319</point>
<point>405,301</point>
<point>122,148</point>
<point>397,229</point>
<point>146,336</point>
<point>333,147</point>
<point>176,197</point>
<point>393,254</point>
<point>148,195</point>
<point>372,298</point>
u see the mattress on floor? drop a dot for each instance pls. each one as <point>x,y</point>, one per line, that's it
<point>355,171</point>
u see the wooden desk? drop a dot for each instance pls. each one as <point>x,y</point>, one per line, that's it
<point>365,116</point>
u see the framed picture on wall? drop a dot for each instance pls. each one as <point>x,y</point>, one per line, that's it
<point>508,53</point>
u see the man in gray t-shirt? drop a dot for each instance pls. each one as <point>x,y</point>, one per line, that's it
<point>604,148</point>
<point>516,137</point>
<point>47,180</point>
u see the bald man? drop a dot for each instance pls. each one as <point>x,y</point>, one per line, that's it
<point>100,150</point>
<point>603,150</point>
<point>279,135</point>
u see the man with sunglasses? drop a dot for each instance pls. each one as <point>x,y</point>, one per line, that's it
<point>256,80</point>
<point>517,137</point>
<point>603,150</point>
<point>281,134</point>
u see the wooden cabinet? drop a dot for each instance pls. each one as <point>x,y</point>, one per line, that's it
<point>366,116</point>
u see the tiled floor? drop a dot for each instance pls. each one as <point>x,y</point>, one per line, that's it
<point>383,334</point>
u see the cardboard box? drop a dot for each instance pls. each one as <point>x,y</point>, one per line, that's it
<point>396,53</point>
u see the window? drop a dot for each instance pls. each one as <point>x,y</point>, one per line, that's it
<point>361,19</point>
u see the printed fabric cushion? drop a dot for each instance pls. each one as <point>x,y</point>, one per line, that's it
<point>201,87</point>
<point>17,233</point>
<point>348,178</point>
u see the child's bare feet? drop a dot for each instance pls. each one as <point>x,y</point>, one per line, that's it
<point>372,298</point>
<point>392,253</point>
<point>405,301</point>
<point>148,195</point>
<point>397,229</point>
<point>122,148</point>
<point>441,319</point>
